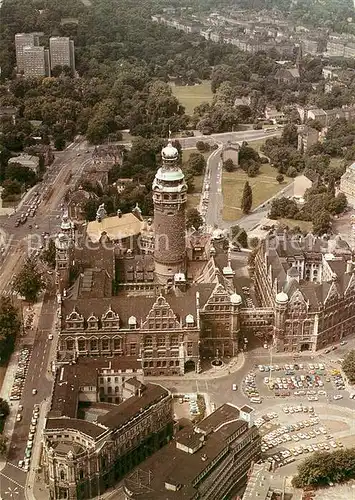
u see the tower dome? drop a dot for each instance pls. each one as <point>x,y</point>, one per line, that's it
<point>169,152</point>
<point>236,299</point>
<point>282,298</point>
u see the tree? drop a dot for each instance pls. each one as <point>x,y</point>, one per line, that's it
<point>290,135</point>
<point>193,219</point>
<point>196,163</point>
<point>9,327</point>
<point>349,366</point>
<point>4,408</point>
<point>3,445</point>
<point>229,165</point>
<point>322,468</point>
<point>321,223</point>
<point>291,172</point>
<point>202,146</point>
<point>48,255</point>
<point>59,142</point>
<point>283,207</point>
<point>280,178</point>
<point>247,198</point>
<point>28,282</point>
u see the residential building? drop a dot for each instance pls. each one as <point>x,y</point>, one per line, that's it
<point>347,185</point>
<point>23,40</point>
<point>307,137</point>
<point>210,460</point>
<point>231,151</point>
<point>271,113</point>
<point>61,50</point>
<point>35,61</point>
<point>26,160</point>
<point>82,457</point>
<point>319,115</point>
<point>288,75</point>
<point>335,48</point>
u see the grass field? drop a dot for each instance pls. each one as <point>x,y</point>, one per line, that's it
<point>264,186</point>
<point>191,96</point>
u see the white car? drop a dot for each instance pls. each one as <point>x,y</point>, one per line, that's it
<point>34,391</point>
<point>50,336</point>
<point>337,396</point>
<point>18,417</point>
<point>234,387</point>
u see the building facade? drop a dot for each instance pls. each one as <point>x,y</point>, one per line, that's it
<point>23,40</point>
<point>83,457</point>
<point>61,50</point>
<point>310,288</point>
<point>35,61</point>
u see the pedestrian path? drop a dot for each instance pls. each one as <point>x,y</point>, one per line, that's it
<point>234,365</point>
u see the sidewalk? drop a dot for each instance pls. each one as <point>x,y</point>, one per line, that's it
<point>226,369</point>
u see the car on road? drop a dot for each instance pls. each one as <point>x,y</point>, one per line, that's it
<point>337,396</point>
<point>34,391</point>
<point>234,386</point>
<point>18,417</point>
<point>20,463</point>
<point>343,342</point>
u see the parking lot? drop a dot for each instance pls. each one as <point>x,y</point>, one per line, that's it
<point>305,381</point>
<point>20,374</point>
<point>286,438</point>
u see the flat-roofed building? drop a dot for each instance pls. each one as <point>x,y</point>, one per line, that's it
<point>207,461</point>
<point>35,61</point>
<point>61,50</point>
<point>23,40</point>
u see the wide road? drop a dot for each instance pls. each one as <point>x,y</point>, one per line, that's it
<point>12,476</point>
<point>224,137</point>
<point>19,240</point>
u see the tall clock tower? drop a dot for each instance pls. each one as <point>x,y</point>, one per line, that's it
<point>169,198</point>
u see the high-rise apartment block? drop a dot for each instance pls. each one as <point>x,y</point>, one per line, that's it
<point>23,40</point>
<point>61,50</point>
<point>35,61</point>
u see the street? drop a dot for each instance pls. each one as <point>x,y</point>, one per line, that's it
<point>19,240</point>
<point>37,378</point>
<point>213,177</point>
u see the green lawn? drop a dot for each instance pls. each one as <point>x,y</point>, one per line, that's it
<point>264,186</point>
<point>191,96</point>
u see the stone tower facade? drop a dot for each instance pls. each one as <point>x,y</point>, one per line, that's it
<point>64,246</point>
<point>169,198</point>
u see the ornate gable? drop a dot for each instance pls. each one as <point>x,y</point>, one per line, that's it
<point>74,319</point>
<point>218,297</point>
<point>161,316</point>
<point>297,299</point>
<point>110,319</point>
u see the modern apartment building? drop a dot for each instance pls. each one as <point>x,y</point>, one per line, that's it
<point>35,61</point>
<point>23,40</point>
<point>61,50</point>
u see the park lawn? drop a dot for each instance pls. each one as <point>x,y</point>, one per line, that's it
<point>264,186</point>
<point>191,96</point>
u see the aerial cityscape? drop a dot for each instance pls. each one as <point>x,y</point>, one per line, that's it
<point>177,250</point>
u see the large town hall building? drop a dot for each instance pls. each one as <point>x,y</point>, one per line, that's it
<point>168,297</point>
